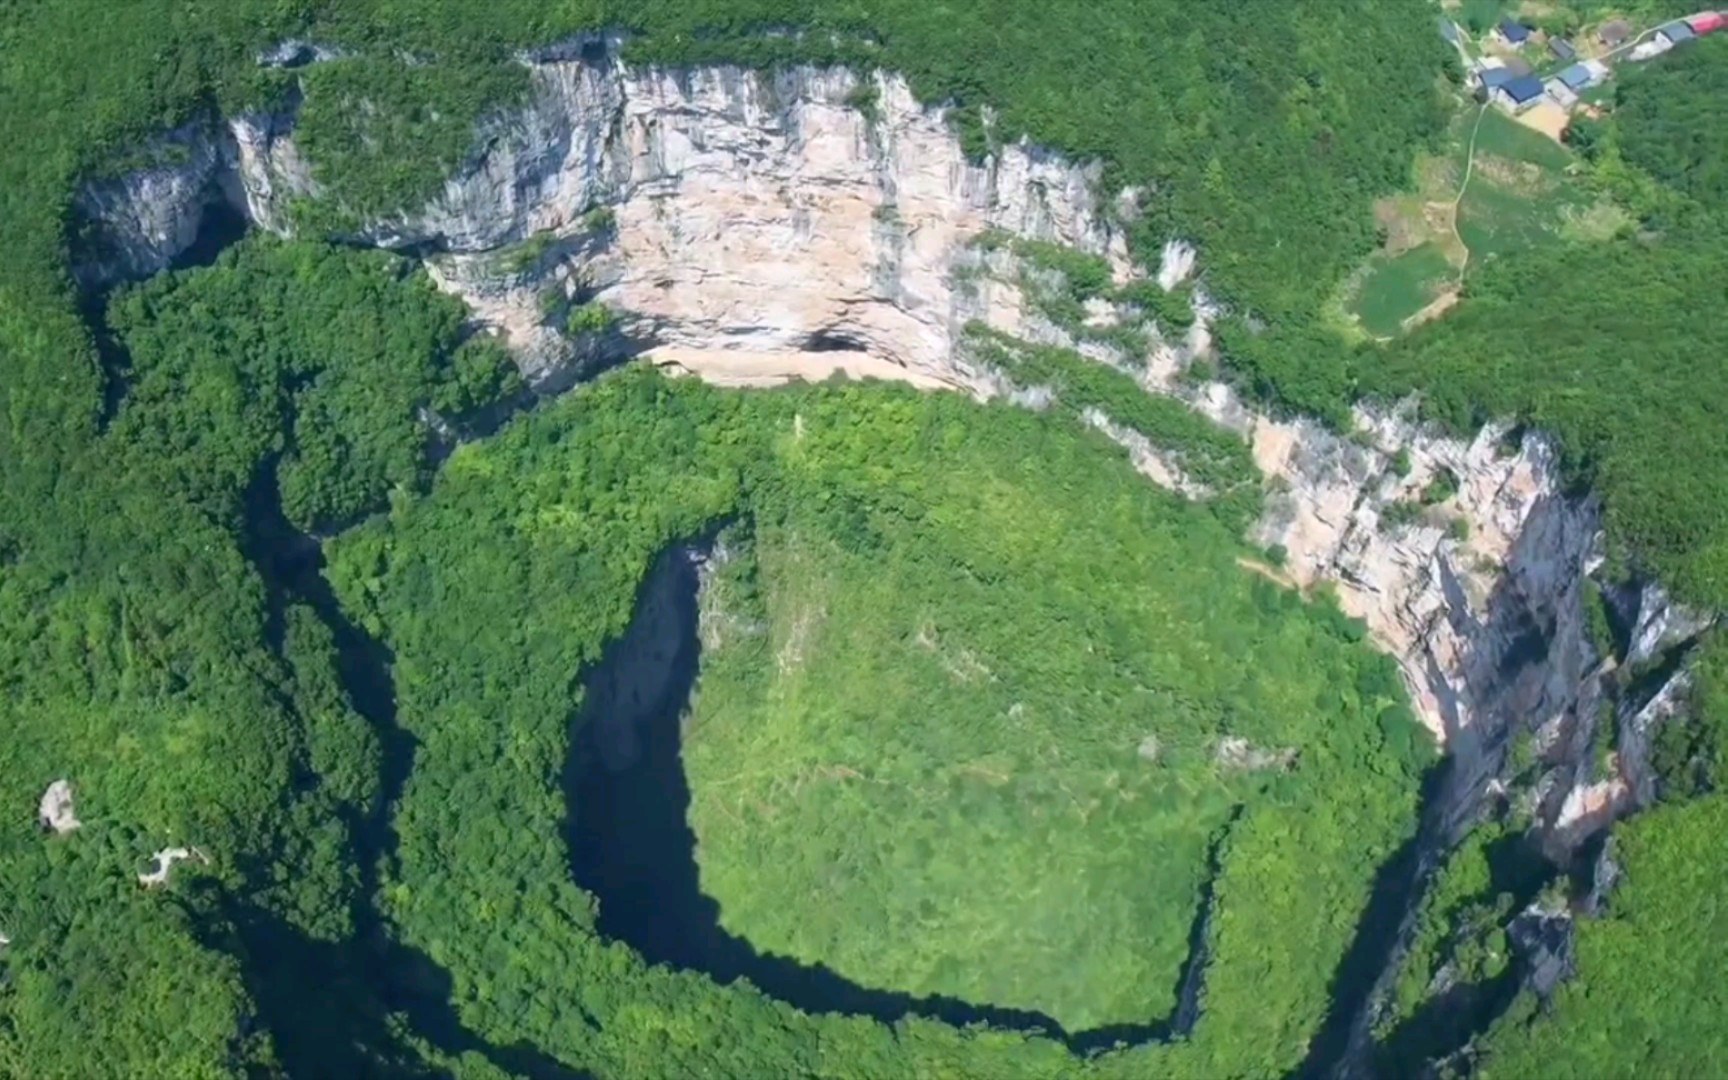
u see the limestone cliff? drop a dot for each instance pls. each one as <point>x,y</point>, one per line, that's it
<point>756,224</point>
<point>752,227</point>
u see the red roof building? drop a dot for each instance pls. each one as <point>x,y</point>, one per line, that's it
<point>1707,21</point>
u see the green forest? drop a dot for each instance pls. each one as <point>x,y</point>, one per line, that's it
<point>913,532</point>
<point>294,584</point>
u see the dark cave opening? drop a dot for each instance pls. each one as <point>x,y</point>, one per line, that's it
<point>825,341</point>
<point>221,225</point>
<point>631,844</point>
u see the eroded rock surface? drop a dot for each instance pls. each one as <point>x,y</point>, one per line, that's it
<point>741,221</point>
<point>55,812</point>
<point>162,864</point>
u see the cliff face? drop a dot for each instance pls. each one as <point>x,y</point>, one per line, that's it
<point>751,228</point>
<point>753,224</point>
<point>1466,559</point>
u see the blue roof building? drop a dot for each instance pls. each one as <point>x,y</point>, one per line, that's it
<point>1676,32</point>
<point>1495,77</point>
<point>1520,91</point>
<point>1576,77</point>
<point>1448,29</point>
<point>1515,33</point>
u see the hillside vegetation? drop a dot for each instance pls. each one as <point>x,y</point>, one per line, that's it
<point>898,781</point>
<point>1612,347</point>
<point>166,640</point>
<point>1647,1000</point>
<point>1605,344</point>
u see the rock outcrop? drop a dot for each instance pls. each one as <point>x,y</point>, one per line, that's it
<point>162,864</point>
<point>757,222</point>
<point>54,810</point>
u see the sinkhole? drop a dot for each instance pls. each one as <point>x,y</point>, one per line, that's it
<point>632,846</point>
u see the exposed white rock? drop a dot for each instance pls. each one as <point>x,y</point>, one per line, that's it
<point>296,53</point>
<point>739,368</point>
<point>1661,625</point>
<point>1175,263</point>
<point>1638,729</point>
<point>1161,468</point>
<point>54,811</point>
<point>1486,623</point>
<point>1588,808</point>
<point>1149,748</point>
<point>1036,398</point>
<point>1235,752</point>
<point>138,222</point>
<point>163,862</point>
<point>750,213</point>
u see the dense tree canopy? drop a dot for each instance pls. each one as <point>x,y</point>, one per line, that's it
<point>1647,1000</point>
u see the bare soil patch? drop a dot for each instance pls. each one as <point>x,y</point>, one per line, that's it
<point>1268,571</point>
<point>1435,308</point>
<point>1602,220</point>
<point>1548,118</point>
<point>1442,221</point>
<point>1402,223</point>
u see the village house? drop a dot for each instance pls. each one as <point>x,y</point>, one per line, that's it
<point>1562,49</point>
<point>1614,33</point>
<point>1511,32</point>
<point>1567,84</point>
<point>1706,22</point>
<point>1517,93</point>
<point>1495,72</point>
<point>1481,73</point>
<point>1674,33</point>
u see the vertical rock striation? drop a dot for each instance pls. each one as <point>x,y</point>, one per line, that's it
<point>723,215</point>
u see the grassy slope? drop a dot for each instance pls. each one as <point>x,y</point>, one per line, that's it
<point>1520,195</point>
<point>915,820</point>
<point>1398,287</point>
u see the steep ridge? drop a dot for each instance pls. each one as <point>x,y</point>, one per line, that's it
<point>751,228</point>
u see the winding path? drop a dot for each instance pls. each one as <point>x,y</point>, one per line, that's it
<point>1464,186</point>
